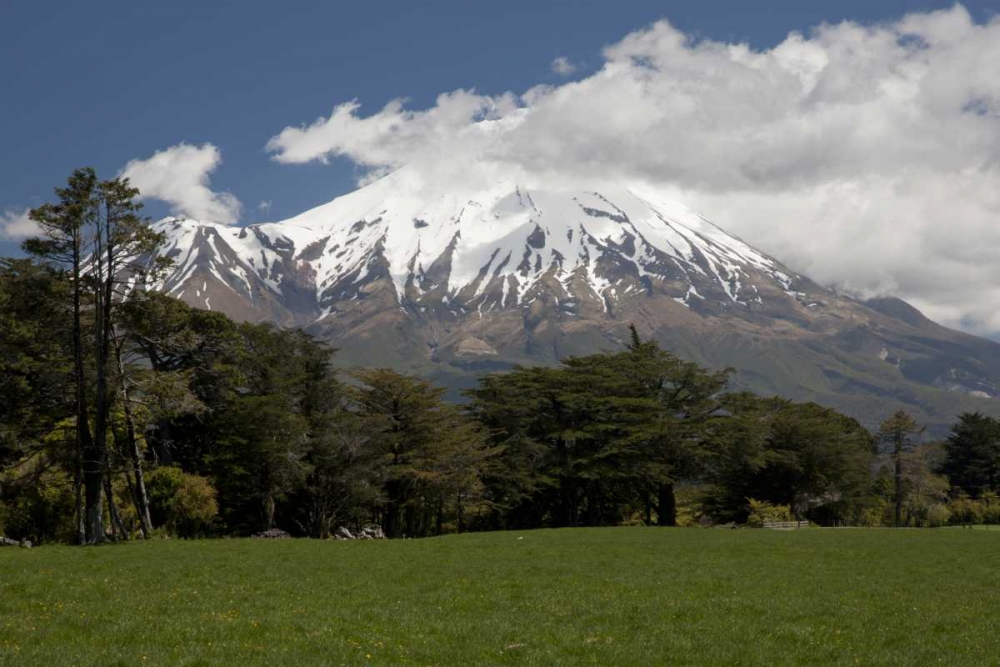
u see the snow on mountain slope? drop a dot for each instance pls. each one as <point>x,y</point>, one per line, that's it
<point>467,250</point>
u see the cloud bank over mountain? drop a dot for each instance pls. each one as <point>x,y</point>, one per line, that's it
<point>866,156</point>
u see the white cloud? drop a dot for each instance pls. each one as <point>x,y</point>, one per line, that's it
<point>562,66</point>
<point>264,206</point>
<point>16,225</point>
<point>865,156</point>
<point>179,176</point>
<point>391,137</point>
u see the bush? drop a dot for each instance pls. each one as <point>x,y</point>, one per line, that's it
<point>690,509</point>
<point>40,509</point>
<point>991,513</point>
<point>938,515</point>
<point>761,511</point>
<point>966,510</point>
<point>184,504</point>
<point>874,513</point>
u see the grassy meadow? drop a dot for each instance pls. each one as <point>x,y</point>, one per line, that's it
<point>609,596</point>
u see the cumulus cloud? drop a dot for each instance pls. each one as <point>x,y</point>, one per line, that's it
<point>179,176</point>
<point>562,66</point>
<point>867,156</point>
<point>16,225</point>
<point>393,136</point>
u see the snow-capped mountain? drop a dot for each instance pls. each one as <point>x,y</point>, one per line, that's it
<point>448,281</point>
<point>470,251</point>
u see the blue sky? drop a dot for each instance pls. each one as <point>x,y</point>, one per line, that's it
<point>102,83</point>
<point>910,210</point>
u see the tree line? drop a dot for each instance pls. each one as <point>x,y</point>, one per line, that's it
<point>126,413</point>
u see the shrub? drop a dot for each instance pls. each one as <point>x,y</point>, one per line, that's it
<point>690,509</point>
<point>938,515</point>
<point>40,509</point>
<point>966,510</point>
<point>182,503</point>
<point>991,513</point>
<point>762,510</point>
<point>874,512</point>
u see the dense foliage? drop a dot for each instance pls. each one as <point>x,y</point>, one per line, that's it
<point>124,412</point>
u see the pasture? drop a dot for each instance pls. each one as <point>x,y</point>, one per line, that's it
<point>612,596</point>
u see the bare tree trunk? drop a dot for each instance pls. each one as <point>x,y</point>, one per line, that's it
<point>84,444</point>
<point>125,469</point>
<point>270,505</point>
<point>899,487</point>
<point>391,521</point>
<point>95,462</point>
<point>139,495</point>
<point>111,510</point>
<point>104,270</point>
<point>116,519</point>
<point>269,509</point>
<point>666,509</point>
<point>81,530</point>
<point>410,521</point>
<point>131,488</point>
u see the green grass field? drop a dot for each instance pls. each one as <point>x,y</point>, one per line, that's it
<point>615,596</point>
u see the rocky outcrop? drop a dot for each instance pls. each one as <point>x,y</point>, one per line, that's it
<point>7,542</point>
<point>272,534</point>
<point>370,532</point>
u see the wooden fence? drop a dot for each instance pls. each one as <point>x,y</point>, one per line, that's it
<point>786,525</point>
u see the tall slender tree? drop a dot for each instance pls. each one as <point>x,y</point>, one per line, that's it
<point>899,433</point>
<point>65,226</point>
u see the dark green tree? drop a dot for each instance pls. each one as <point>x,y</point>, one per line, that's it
<point>803,455</point>
<point>35,357</point>
<point>972,454</point>
<point>37,444</point>
<point>243,404</point>
<point>598,438</point>
<point>687,397</point>
<point>336,490</point>
<point>425,453</point>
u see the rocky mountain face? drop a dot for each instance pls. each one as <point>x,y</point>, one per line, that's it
<point>449,282</point>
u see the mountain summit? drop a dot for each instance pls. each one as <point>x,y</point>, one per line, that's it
<point>448,281</point>
<point>507,246</point>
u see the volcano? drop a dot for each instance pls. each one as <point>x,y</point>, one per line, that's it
<point>449,281</point>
